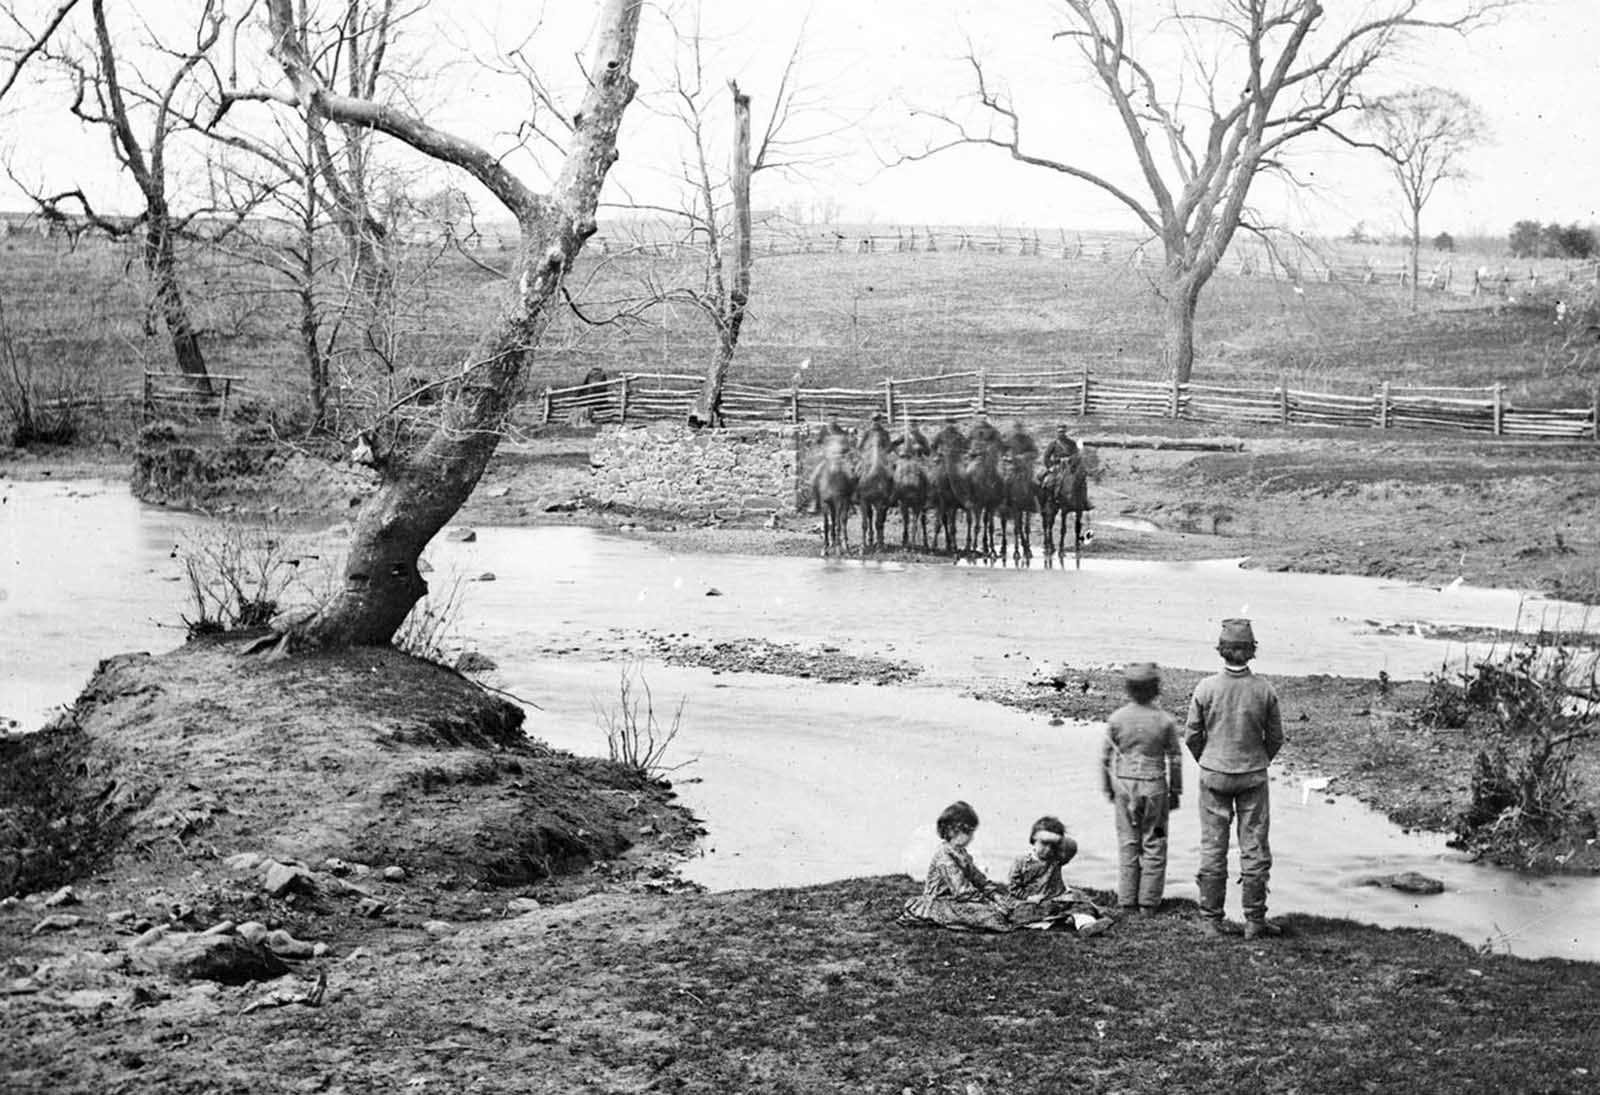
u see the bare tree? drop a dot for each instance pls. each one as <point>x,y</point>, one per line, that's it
<point>104,96</point>
<point>1255,77</point>
<point>313,172</point>
<point>1424,134</point>
<point>424,486</point>
<point>715,214</point>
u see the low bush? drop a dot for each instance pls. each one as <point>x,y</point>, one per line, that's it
<point>1531,710</point>
<point>634,736</point>
<point>236,575</point>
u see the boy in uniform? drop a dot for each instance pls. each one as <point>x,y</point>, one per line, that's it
<point>1234,730</point>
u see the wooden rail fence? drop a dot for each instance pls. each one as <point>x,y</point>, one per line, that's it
<point>644,397</point>
<point>176,395</point>
<point>1296,266</point>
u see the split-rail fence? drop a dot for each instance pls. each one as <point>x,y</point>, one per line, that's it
<point>646,397</point>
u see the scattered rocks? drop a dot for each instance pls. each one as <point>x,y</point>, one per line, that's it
<point>252,931</point>
<point>394,874</point>
<point>336,866</point>
<point>243,861</point>
<point>60,922</point>
<point>486,576</point>
<point>519,905</point>
<point>227,959</point>
<point>462,535</point>
<point>9,903</point>
<point>282,879</point>
<point>437,928</point>
<point>371,908</point>
<point>1407,882</point>
<point>66,895</point>
<point>284,945</point>
<point>221,927</point>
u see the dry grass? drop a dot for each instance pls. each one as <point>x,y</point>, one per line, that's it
<point>857,318</point>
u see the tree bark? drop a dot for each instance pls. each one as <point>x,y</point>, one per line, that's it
<point>1182,302</point>
<point>708,407</point>
<point>421,491</point>
<point>1416,248</point>
<point>161,262</point>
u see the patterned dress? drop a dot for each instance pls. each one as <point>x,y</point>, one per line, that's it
<point>958,895</point>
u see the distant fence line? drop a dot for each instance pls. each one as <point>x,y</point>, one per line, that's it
<point>1060,244</point>
<point>645,397</point>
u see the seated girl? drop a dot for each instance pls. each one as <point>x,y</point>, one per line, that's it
<point>957,894</point>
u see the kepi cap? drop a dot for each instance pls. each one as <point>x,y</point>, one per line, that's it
<point>1237,631</point>
<point>1141,672</point>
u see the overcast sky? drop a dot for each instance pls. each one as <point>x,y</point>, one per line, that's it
<point>870,61</point>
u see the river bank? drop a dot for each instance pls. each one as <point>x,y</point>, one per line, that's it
<point>611,976</point>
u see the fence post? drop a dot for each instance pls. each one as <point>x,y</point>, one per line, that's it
<point>1499,409</point>
<point>147,400</point>
<point>1283,402</point>
<point>222,408</point>
<point>888,398</point>
<point>544,407</point>
<point>794,405</point>
<point>1383,406</point>
<point>1083,397</point>
<point>1177,394</point>
<point>983,389</point>
<point>1595,402</point>
<point>622,406</point>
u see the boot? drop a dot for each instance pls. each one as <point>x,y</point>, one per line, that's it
<point>1216,926</point>
<point>1262,929</point>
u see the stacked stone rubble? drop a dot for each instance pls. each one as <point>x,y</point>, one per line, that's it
<point>708,473</point>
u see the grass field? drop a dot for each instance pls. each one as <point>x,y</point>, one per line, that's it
<point>78,319</point>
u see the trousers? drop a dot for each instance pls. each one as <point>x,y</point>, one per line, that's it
<point>1229,800</point>
<point>1141,814</point>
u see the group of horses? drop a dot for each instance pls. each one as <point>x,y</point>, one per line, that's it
<point>997,480</point>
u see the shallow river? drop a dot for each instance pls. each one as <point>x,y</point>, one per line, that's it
<point>802,782</point>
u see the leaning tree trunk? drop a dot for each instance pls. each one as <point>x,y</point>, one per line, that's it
<point>422,490</point>
<point>161,262</point>
<point>708,407</point>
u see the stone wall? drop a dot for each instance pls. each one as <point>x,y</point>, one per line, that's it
<point>728,472</point>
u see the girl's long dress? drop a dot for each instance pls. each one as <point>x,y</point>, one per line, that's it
<point>958,895</point>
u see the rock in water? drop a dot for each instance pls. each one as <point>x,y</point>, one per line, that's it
<point>1407,882</point>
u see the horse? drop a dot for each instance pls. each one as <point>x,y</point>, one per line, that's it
<point>1018,502</point>
<point>875,485</point>
<point>983,490</point>
<point>946,490</point>
<point>833,485</point>
<point>913,483</point>
<point>1064,489</point>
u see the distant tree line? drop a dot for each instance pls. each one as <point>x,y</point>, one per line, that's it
<point>1530,239</point>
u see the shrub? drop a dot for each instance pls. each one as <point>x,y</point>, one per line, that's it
<point>1531,708</point>
<point>634,738</point>
<point>236,574</point>
<point>431,624</point>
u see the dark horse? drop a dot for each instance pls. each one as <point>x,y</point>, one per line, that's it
<point>1064,489</point>
<point>833,484</point>
<point>875,486</point>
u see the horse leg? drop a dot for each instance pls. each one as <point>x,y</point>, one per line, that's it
<point>1077,537</point>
